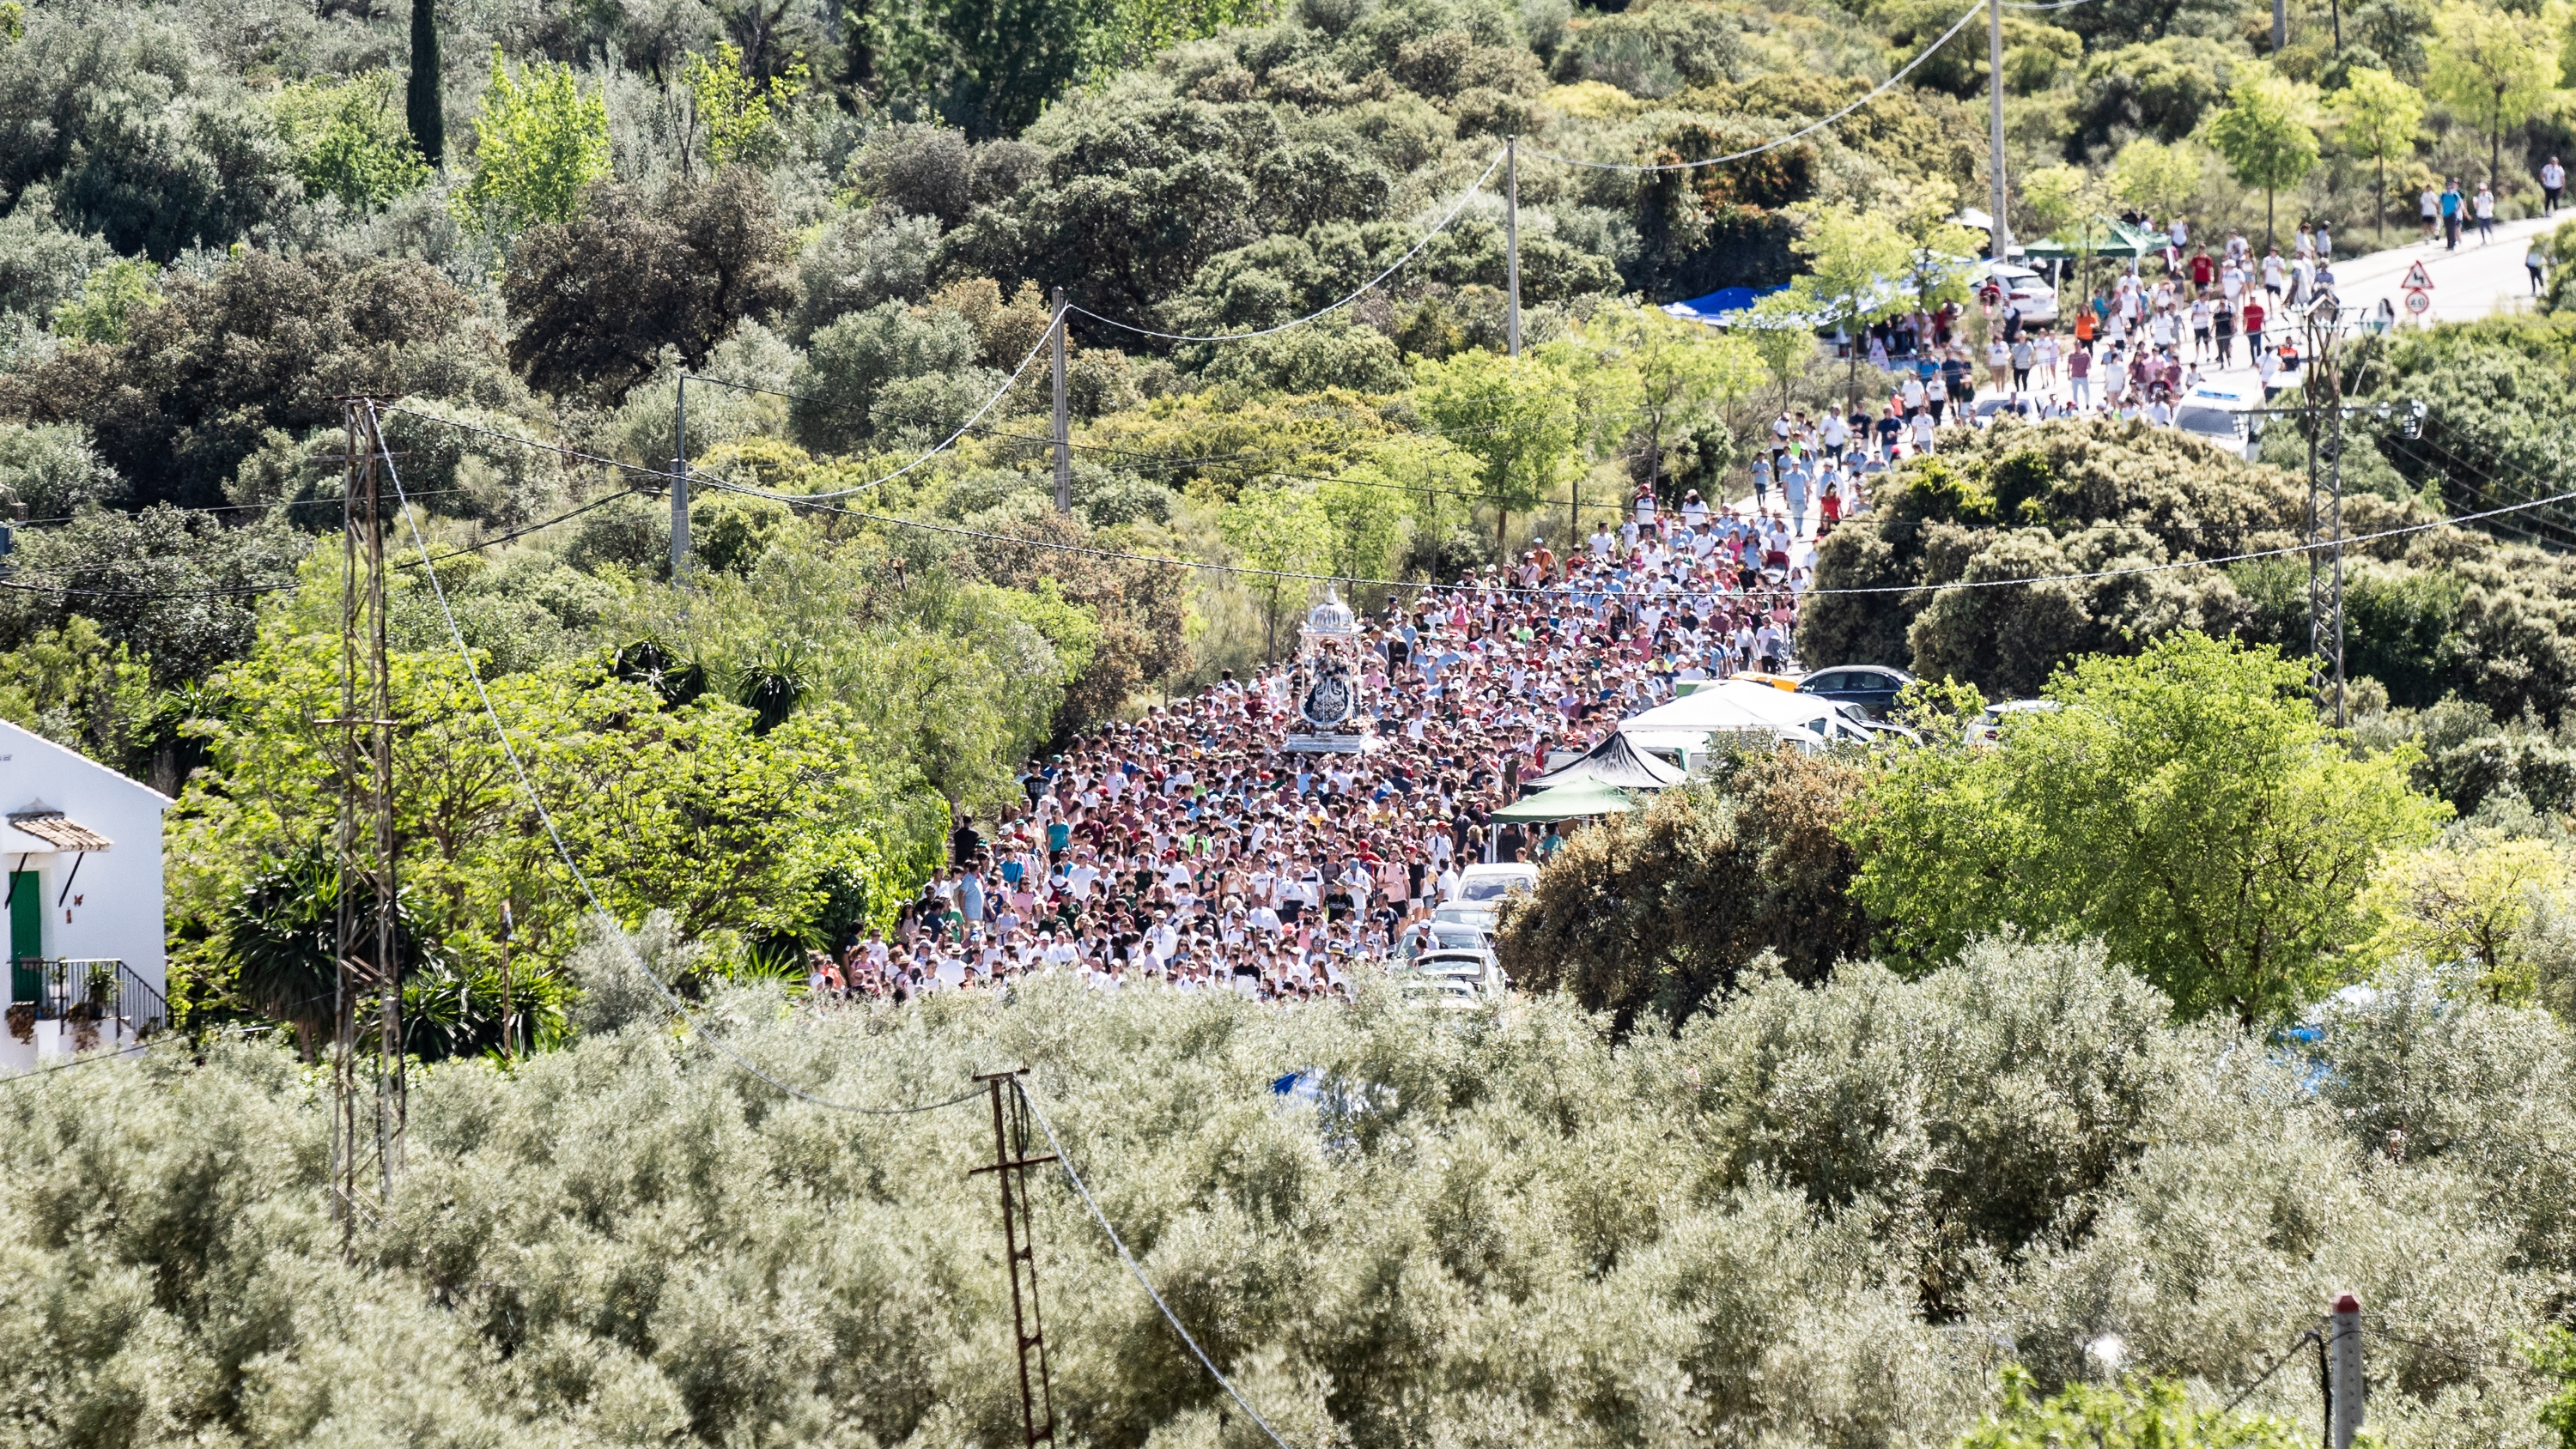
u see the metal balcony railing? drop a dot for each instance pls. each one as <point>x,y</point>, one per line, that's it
<point>101,999</point>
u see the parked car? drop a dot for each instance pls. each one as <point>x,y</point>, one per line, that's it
<point>1871,686</point>
<point>2024,288</point>
<point>1442,935</point>
<point>2216,425</point>
<point>1452,979</point>
<point>1481,889</point>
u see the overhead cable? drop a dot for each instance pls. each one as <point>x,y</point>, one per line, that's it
<point>1776,143</point>
<point>1812,593</point>
<point>1364,287</point>
<point>2306,1336</point>
<point>1079,1186</point>
<point>527,787</point>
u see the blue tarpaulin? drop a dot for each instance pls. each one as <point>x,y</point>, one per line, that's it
<point>1718,303</point>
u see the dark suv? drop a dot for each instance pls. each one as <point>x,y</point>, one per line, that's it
<point>1871,686</point>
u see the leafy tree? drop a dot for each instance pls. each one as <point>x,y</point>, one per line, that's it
<point>2062,201</point>
<point>954,680</point>
<point>2149,1414</point>
<point>1278,530</point>
<point>1937,251</point>
<point>109,295</point>
<point>537,146</point>
<point>1517,417</point>
<point>2469,758</point>
<point>346,139</point>
<point>2157,90</point>
<point>1662,910</point>
<point>732,825</point>
<point>2017,503</point>
<point>53,470</point>
<point>424,88</point>
<point>2265,136</point>
<point>598,297</point>
<point>2380,117</point>
<point>2489,66</point>
<point>2155,177</point>
<point>42,265</point>
<point>75,688</point>
<point>887,372</point>
<point>1784,337</point>
<point>2485,904</point>
<point>180,590</point>
<point>878,255</point>
<point>138,135</point>
<point>1853,259</point>
<point>268,343</point>
<point>735,106</point>
<point>2185,805</point>
<point>1138,610</point>
<point>987,70</point>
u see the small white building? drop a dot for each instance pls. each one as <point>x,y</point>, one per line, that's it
<point>80,851</point>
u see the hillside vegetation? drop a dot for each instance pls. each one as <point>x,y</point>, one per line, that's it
<point>1797,1221</point>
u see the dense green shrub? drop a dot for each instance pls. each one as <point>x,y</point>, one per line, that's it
<point>269,342</point>
<point>1663,909</point>
<point>1485,1229</point>
<point>596,299</point>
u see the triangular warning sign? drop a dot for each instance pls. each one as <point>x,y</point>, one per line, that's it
<point>2416,276</point>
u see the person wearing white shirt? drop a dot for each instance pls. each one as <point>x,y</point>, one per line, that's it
<point>2553,181</point>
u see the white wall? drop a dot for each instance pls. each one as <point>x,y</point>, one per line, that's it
<point>113,908</point>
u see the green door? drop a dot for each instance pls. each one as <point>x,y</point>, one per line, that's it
<point>26,934</point>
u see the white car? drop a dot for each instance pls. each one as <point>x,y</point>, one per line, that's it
<point>1481,889</point>
<point>2217,426</point>
<point>1443,935</point>
<point>1451,979</point>
<point>2022,287</point>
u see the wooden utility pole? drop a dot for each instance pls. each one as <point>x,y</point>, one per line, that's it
<point>1512,242</point>
<point>1010,1165</point>
<point>1063,435</point>
<point>680,485</point>
<point>2000,238</point>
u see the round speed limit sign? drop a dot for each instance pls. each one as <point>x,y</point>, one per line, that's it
<point>2419,302</point>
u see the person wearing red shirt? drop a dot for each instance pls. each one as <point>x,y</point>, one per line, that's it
<point>2201,269</point>
<point>2253,328</point>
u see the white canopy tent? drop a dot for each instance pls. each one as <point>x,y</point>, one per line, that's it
<point>1735,706</point>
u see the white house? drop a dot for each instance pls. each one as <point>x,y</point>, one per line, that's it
<point>82,848</point>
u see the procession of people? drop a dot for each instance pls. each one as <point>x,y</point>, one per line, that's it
<point>1200,848</point>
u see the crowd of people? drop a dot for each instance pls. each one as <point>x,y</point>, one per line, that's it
<point>1192,849</point>
<point>2137,348</point>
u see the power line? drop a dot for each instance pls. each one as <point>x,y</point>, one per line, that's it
<point>283,585</point>
<point>1066,1160</point>
<point>1217,461</point>
<point>2303,1340</point>
<point>1801,133</point>
<point>527,787</point>
<point>1956,584</point>
<point>1363,289</point>
<point>815,500</point>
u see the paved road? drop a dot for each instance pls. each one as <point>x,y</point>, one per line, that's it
<point>2480,279</point>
